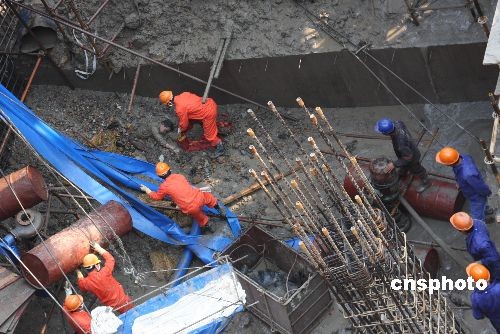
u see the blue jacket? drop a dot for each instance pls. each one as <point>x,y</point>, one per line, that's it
<point>486,303</point>
<point>469,178</point>
<point>481,248</point>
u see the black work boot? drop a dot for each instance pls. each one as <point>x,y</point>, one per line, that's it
<point>424,184</point>
<point>219,150</point>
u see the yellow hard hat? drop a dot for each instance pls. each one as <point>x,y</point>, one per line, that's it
<point>90,260</point>
<point>162,168</point>
<point>73,302</point>
<point>166,96</point>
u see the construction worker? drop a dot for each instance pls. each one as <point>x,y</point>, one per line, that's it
<point>469,179</point>
<point>75,314</point>
<point>479,244</point>
<point>406,150</point>
<point>188,198</point>
<point>486,302</point>
<point>100,280</point>
<point>189,107</point>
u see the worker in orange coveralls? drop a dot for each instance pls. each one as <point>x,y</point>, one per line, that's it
<point>75,314</point>
<point>100,280</point>
<point>188,198</point>
<point>189,107</point>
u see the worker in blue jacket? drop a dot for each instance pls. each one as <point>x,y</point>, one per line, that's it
<point>479,244</point>
<point>486,302</point>
<point>469,180</point>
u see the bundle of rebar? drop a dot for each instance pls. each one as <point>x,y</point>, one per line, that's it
<point>353,242</point>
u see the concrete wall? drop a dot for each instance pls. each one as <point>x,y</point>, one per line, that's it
<point>444,74</point>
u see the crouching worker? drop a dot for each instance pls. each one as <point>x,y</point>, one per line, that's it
<point>188,198</point>
<point>485,302</point>
<point>76,315</point>
<point>100,280</point>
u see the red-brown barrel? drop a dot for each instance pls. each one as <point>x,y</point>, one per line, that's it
<point>67,248</point>
<point>429,258</point>
<point>440,201</point>
<point>27,184</point>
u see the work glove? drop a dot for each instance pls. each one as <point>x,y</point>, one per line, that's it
<point>97,247</point>
<point>206,189</point>
<point>145,189</point>
<point>181,136</point>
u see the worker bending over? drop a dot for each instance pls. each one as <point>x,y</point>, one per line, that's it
<point>189,107</point>
<point>479,244</point>
<point>100,280</point>
<point>75,314</point>
<point>406,150</point>
<point>485,303</point>
<point>469,179</point>
<point>188,198</point>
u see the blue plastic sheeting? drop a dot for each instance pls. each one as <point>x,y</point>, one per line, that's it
<point>91,169</point>
<point>173,295</point>
<point>186,258</point>
<point>295,242</point>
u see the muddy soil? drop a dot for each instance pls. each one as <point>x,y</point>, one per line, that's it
<point>81,114</point>
<point>190,31</point>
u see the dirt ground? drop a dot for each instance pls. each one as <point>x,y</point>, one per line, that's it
<point>81,114</point>
<point>189,31</point>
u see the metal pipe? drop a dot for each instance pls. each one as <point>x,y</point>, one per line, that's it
<point>28,184</point>
<point>212,70</point>
<point>444,246</point>
<point>489,160</point>
<point>70,245</point>
<point>134,86</point>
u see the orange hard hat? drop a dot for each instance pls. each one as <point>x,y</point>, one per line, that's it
<point>447,156</point>
<point>162,168</point>
<point>73,302</point>
<point>166,96</point>
<point>477,271</point>
<point>461,221</point>
<point>90,260</point>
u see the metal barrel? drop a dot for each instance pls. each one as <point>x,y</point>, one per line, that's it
<point>67,248</point>
<point>28,185</point>
<point>429,258</point>
<point>440,201</point>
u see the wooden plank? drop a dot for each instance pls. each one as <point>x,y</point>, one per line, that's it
<point>7,277</point>
<point>13,296</point>
<point>10,324</point>
<point>254,187</point>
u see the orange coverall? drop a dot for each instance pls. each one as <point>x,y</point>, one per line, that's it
<point>188,107</point>
<point>107,289</point>
<point>188,198</point>
<point>80,317</point>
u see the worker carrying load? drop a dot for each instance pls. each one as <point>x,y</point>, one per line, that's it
<point>469,179</point>
<point>189,109</point>
<point>486,302</point>
<point>188,198</point>
<point>100,280</point>
<point>406,150</point>
<point>479,244</point>
<point>76,315</point>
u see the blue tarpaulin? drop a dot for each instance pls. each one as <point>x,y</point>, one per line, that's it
<point>105,176</point>
<point>173,295</point>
